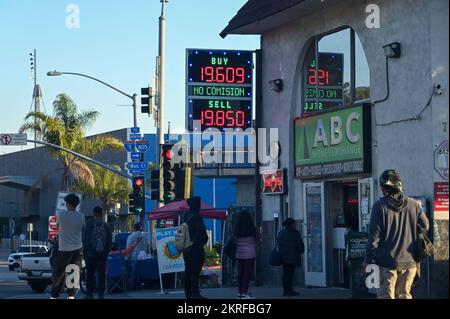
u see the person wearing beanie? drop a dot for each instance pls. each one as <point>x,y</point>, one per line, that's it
<point>194,256</point>
<point>395,222</point>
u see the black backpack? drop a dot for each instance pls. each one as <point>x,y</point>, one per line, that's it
<point>98,237</point>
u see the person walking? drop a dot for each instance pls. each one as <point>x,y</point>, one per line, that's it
<point>246,237</point>
<point>394,224</point>
<point>97,242</point>
<point>70,246</point>
<point>194,256</point>
<point>291,248</point>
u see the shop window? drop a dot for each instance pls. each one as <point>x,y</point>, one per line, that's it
<point>335,72</point>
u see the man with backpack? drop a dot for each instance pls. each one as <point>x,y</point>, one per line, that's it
<point>194,253</point>
<point>396,222</point>
<point>97,242</point>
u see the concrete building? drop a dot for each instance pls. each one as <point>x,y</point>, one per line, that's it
<point>330,57</point>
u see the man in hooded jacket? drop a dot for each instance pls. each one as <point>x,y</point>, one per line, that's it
<point>194,256</point>
<point>394,225</point>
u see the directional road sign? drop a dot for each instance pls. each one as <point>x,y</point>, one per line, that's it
<point>136,172</point>
<point>129,146</point>
<point>13,139</point>
<point>135,136</point>
<point>142,146</point>
<point>135,156</point>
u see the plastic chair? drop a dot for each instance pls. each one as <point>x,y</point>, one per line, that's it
<point>116,273</point>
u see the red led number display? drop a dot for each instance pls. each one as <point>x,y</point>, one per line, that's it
<point>222,118</point>
<point>320,77</point>
<point>222,74</point>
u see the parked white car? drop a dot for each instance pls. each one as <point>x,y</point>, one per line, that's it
<point>14,258</point>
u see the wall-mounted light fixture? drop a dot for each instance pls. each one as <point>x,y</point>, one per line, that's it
<point>393,50</point>
<point>276,85</point>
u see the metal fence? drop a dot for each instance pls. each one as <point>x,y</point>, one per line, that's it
<point>14,244</point>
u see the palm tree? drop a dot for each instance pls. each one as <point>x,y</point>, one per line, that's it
<point>109,188</point>
<point>67,128</point>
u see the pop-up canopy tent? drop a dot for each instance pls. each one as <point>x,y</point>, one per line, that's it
<point>174,209</point>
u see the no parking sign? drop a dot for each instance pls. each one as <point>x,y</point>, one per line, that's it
<point>53,228</point>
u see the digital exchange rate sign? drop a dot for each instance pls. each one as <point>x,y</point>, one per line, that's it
<point>324,82</point>
<point>219,89</point>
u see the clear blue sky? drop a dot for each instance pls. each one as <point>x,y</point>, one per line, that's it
<point>117,42</point>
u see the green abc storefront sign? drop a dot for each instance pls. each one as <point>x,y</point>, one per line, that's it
<point>333,143</point>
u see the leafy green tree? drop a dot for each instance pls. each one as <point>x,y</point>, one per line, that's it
<point>109,188</point>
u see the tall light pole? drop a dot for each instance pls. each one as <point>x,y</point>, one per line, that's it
<point>133,97</point>
<point>160,131</point>
<point>37,93</point>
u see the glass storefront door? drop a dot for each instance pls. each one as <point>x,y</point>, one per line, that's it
<point>365,201</point>
<point>315,270</point>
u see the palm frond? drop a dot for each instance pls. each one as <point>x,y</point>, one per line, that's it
<point>94,146</point>
<point>81,171</point>
<point>86,119</point>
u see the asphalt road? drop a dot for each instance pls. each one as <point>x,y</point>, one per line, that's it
<point>11,286</point>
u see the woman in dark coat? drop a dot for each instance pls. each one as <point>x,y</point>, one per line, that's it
<point>291,248</point>
<point>246,238</point>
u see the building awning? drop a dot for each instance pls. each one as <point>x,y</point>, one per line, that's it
<point>259,16</point>
<point>21,182</point>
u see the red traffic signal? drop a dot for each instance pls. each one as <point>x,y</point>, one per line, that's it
<point>138,181</point>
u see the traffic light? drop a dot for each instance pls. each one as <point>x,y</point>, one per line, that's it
<point>138,195</point>
<point>168,173</point>
<point>146,100</point>
<point>131,208</point>
<point>154,184</point>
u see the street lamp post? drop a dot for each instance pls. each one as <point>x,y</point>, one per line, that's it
<point>133,97</point>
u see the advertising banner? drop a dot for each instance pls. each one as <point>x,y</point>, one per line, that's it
<point>333,143</point>
<point>441,200</point>
<point>169,259</point>
<point>273,182</point>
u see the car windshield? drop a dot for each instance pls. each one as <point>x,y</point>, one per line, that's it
<point>32,249</point>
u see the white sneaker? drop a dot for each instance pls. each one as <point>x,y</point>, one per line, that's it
<point>247,296</point>
<point>53,298</point>
<point>71,297</point>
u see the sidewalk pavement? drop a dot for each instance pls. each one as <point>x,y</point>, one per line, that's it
<point>265,292</point>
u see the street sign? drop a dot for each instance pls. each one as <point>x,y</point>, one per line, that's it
<point>441,160</point>
<point>129,146</point>
<point>13,139</point>
<point>137,166</point>
<point>135,156</point>
<point>135,130</point>
<point>135,136</point>
<point>142,146</point>
<point>136,171</point>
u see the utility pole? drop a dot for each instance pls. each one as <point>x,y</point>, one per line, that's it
<point>37,93</point>
<point>162,35</point>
